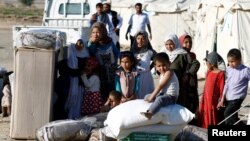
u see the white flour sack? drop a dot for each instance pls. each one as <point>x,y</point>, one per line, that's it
<point>176,114</point>
<point>127,115</point>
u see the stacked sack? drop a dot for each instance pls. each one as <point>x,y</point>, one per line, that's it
<point>126,118</point>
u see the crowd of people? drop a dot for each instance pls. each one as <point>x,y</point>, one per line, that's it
<point>97,76</point>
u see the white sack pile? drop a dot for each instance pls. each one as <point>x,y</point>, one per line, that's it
<point>126,118</point>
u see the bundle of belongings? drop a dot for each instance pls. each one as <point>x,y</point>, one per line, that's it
<point>126,119</point>
<point>41,38</point>
<point>69,130</point>
<point>192,133</point>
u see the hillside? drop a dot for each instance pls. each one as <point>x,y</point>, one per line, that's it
<point>11,13</point>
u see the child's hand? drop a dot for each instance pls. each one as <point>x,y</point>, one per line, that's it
<point>150,99</point>
<point>105,108</point>
<point>220,104</point>
<point>124,99</point>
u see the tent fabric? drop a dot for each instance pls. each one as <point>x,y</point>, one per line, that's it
<point>157,5</point>
<point>237,4</point>
<point>170,5</point>
<point>244,36</point>
<point>225,22</point>
<point>164,18</point>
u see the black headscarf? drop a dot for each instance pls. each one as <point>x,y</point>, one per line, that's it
<point>135,49</point>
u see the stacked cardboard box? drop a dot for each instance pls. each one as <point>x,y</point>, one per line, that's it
<point>32,98</point>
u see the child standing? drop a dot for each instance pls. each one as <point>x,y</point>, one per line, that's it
<point>92,100</point>
<point>236,85</point>
<point>7,95</point>
<point>127,77</point>
<point>190,79</point>
<point>208,114</point>
<point>167,91</point>
<point>144,53</point>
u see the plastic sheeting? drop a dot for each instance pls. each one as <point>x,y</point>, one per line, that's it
<point>68,130</point>
<point>41,38</point>
<point>64,130</point>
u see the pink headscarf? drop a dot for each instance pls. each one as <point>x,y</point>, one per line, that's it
<point>182,38</point>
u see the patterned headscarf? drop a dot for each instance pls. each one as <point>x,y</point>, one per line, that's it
<point>177,50</point>
<point>105,39</point>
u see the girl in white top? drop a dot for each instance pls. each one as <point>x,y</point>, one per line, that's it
<point>92,100</point>
<point>167,91</point>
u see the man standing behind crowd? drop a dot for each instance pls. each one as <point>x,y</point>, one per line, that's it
<point>138,22</point>
<point>100,16</point>
<point>116,20</point>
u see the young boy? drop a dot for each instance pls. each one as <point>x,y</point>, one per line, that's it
<point>236,85</point>
<point>114,99</point>
<point>167,91</point>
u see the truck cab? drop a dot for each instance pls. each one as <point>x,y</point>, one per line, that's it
<point>68,13</point>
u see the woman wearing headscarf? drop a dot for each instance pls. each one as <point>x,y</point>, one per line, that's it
<point>77,53</point>
<point>181,64</point>
<point>144,53</point>
<point>102,47</point>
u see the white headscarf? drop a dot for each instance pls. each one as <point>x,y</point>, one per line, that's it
<point>177,50</point>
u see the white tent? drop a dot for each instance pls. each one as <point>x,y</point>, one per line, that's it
<point>166,16</point>
<point>231,20</point>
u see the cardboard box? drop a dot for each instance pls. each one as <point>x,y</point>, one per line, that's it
<point>32,98</point>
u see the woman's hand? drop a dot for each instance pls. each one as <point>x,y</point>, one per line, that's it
<point>93,39</point>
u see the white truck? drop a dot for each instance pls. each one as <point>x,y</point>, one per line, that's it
<point>69,16</point>
<point>68,12</point>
